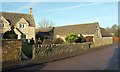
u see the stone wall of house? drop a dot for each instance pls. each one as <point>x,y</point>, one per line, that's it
<point>97,39</point>
<point>6,25</point>
<point>27,30</point>
<point>11,50</point>
<point>47,53</point>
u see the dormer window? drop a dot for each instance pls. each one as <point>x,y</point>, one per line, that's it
<point>22,26</point>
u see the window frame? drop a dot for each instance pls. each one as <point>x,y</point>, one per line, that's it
<point>21,25</point>
<point>23,36</point>
<point>2,25</point>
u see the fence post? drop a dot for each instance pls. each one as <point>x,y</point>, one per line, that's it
<point>33,51</point>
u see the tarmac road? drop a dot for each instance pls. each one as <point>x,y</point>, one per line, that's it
<point>103,59</point>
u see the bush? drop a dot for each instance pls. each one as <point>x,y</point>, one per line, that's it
<point>27,49</point>
<point>58,41</point>
<point>10,35</point>
<point>13,36</point>
<point>39,41</point>
<point>47,41</point>
<point>78,40</point>
<point>71,38</point>
<point>32,41</point>
<point>40,36</point>
<point>117,32</point>
<point>74,38</point>
<point>82,38</point>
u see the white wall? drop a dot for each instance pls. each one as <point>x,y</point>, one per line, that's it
<point>84,35</point>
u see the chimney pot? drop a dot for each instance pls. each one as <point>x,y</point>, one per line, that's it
<point>31,11</point>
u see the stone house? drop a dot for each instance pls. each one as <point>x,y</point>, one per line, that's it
<point>46,32</point>
<point>100,36</point>
<point>24,24</point>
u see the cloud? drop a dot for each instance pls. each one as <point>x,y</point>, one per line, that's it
<point>71,7</point>
<point>62,8</point>
<point>26,6</point>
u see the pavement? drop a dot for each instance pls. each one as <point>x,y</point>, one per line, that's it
<point>102,59</point>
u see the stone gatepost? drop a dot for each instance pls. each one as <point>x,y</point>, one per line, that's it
<point>11,50</point>
<point>33,51</point>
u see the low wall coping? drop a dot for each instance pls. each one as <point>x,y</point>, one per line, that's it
<point>11,40</point>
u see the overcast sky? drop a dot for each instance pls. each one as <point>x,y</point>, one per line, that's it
<point>67,13</point>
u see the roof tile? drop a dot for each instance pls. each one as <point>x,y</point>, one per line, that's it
<point>13,18</point>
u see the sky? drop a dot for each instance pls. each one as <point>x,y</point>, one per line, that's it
<point>68,13</point>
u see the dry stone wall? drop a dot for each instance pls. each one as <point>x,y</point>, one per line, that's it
<point>45,53</point>
<point>107,40</point>
<point>11,50</point>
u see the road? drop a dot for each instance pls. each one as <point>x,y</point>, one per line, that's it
<point>103,59</point>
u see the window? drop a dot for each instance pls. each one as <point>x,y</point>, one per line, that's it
<point>21,25</point>
<point>2,25</point>
<point>23,36</point>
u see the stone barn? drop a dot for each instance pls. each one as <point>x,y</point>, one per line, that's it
<point>99,35</point>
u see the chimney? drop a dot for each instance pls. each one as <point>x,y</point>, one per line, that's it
<point>30,12</point>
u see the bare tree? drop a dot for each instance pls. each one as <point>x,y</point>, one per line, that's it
<point>46,23</point>
<point>115,29</point>
<point>108,29</point>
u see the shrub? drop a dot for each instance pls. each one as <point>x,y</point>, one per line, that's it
<point>39,41</point>
<point>117,32</point>
<point>31,41</point>
<point>27,49</point>
<point>13,36</point>
<point>39,36</point>
<point>58,41</point>
<point>71,38</point>
<point>10,35</point>
<point>82,38</point>
<point>78,40</point>
<point>47,41</point>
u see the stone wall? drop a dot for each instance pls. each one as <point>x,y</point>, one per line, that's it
<point>28,30</point>
<point>6,25</point>
<point>102,41</point>
<point>11,50</point>
<point>107,40</point>
<point>47,53</point>
<point>97,42</point>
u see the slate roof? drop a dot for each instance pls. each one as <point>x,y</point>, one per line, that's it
<point>88,28</point>
<point>13,18</point>
<point>45,29</point>
<point>104,33</point>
